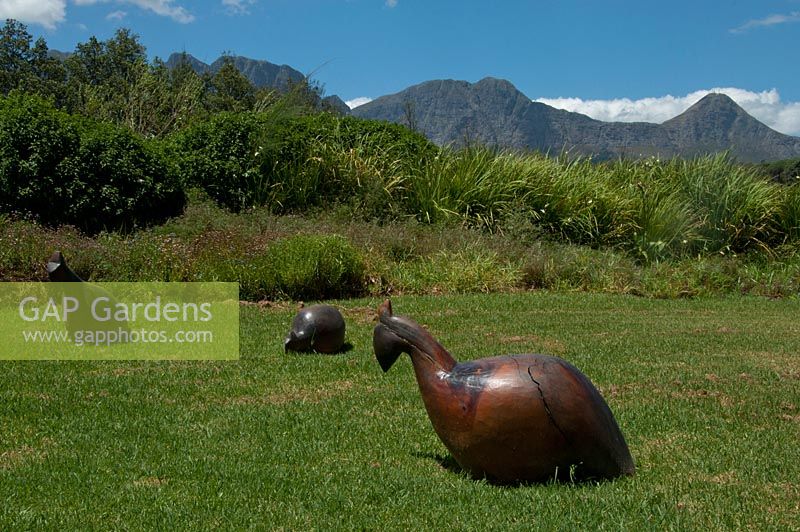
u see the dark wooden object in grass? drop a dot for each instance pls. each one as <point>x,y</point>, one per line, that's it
<point>88,295</point>
<point>58,271</point>
<point>317,328</point>
<point>510,419</point>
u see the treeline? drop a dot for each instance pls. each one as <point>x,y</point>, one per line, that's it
<point>113,81</point>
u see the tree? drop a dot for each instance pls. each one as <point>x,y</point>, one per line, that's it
<point>162,100</point>
<point>28,68</point>
<point>15,55</point>
<point>49,73</point>
<point>101,75</point>
<point>230,90</point>
<point>410,115</point>
<point>117,61</point>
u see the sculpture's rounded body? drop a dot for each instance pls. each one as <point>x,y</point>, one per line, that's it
<point>512,418</point>
<point>319,328</point>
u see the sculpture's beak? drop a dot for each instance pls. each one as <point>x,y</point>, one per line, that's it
<point>290,342</point>
<point>387,346</point>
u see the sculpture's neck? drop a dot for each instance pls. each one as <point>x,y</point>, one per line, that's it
<point>410,337</point>
<point>431,358</point>
<point>398,334</point>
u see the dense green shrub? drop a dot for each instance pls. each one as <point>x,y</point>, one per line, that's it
<point>786,171</point>
<point>121,181</point>
<point>218,155</point>
<point>289,163</point>
<point>34,141</point>
<point>60,169</point>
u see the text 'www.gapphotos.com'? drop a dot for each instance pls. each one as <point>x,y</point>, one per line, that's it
<point>118,336</point>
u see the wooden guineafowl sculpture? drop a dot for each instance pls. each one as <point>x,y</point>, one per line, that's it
<point>509,419</point>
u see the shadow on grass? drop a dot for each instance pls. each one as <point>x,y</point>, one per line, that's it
<point>562,478</point>
<point>446,461</point>
<point>346,348</point>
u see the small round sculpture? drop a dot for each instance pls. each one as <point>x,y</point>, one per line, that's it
<point>509,419</point>
<point>317,328</point>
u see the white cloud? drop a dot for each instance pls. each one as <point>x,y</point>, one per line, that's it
<point>391,3</point>
<point>355,102</point>
<point>46,13</point>
<point>116,15</point>
<point>771,20</point>
<point>164,8</point>
<point>765,106</point>
<point>238,7</point>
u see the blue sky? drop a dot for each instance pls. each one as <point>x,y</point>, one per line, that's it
<point>614,60</point>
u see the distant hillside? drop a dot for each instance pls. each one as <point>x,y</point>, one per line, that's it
<point>494,112</point>
<point>61,56</point>
<point>260,73</point>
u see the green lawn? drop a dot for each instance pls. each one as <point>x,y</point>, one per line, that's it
<point>706,391</point>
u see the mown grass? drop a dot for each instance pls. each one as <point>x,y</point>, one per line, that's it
<point>705,390</point>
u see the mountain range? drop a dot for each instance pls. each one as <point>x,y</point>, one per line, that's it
<point>495,113</point>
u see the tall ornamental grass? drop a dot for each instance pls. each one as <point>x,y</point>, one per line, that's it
<point>473,185</point>
<point>665,225</point>
<point>738,209</point>
<point>574,200</point>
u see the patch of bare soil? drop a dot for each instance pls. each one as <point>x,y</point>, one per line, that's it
<point>14,458</point>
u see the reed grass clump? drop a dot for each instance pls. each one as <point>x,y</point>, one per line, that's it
<point>575,201</point>
<point>475,186</point>
<point>738,210</point>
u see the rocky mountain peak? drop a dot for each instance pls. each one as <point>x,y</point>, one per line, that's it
<point>714,108</point>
